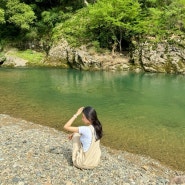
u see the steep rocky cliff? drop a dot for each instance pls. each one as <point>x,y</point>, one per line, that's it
<point>150,56</point>
<point>84,58</point>
<point>166,57</point>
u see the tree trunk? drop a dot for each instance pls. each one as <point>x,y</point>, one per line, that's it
<point>114,46</point>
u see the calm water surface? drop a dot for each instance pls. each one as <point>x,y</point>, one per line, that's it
<point>140,113</point>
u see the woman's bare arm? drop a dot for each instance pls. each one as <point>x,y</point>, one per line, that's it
<point>68,126</point>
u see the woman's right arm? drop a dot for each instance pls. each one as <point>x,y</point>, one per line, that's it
<point>68,126</point>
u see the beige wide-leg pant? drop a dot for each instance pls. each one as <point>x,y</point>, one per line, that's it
<point>89,159</point>
<point>77,146</point>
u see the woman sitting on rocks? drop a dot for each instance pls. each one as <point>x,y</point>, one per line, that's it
<point>86,139</point>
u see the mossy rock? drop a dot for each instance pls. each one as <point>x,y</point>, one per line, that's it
<point>2,59</point>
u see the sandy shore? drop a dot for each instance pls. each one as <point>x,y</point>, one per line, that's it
<point>32,154</point>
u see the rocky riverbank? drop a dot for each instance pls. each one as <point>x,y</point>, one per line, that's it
<point>167,56</point>
<point>31,154</point>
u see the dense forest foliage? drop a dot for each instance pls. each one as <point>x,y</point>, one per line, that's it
<point>110,24</point>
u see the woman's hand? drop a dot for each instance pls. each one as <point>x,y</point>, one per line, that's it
<point>70,136</point>
<point>79,111</point>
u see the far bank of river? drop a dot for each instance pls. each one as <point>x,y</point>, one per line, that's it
<point>141,113</point>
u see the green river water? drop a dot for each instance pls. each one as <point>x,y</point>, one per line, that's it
<point>140,113</point>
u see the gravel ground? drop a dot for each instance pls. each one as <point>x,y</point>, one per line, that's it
<point>31,154</point>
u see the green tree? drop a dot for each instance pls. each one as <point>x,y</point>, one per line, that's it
<point>49,19</point>
<point>74,29</point>
<point>19,14</point>
<point>2,20</point>
<point>174,17</point>
<point>166,20</point>
<point>115,19</point>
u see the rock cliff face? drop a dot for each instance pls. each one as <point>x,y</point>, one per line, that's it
<point>150,56</point>
<point>165,57</point>
<point>85,59</point>
<point>2,59</point>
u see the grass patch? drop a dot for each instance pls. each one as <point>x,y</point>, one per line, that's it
<point>33,57</point>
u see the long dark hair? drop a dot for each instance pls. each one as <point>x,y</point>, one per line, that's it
<point>91,115</point>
